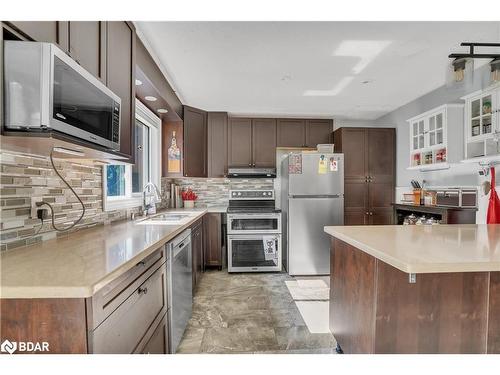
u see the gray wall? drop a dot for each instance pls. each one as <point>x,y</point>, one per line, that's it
<point>458,174</point>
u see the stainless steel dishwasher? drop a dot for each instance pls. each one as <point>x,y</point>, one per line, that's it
<point>180,287</point>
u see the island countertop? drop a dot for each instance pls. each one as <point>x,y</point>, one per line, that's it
<point>81,263</point>
<point>425,248</point>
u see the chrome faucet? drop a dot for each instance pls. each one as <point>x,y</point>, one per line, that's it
<point>157,197</point>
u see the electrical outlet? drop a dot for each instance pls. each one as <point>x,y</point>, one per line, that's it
<point>43,213</point>
<point>34,207</point>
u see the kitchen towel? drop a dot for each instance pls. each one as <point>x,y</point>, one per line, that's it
<point>493,216</point>
<point>270,251</point>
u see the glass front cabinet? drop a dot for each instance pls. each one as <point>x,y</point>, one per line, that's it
<point>436,137</point>
<point>482,123</point>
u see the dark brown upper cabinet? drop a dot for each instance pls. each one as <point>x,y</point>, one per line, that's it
<point>318,132</point>
<point>217,144</point>
<point>252,142</point>
<point>353,142</point>
<point>240,142</point>
<point>44,31</point>
<point>120,78</point>
<point>264,143</point>
<point>291,133</point>
<point>87,46</point>
<point>381,158</point>
<point>303,133</point>
<point>195,142</point>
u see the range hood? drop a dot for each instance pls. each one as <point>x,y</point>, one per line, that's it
<point>251,173</point>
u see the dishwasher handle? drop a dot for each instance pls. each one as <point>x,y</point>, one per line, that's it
<point>181,246</point>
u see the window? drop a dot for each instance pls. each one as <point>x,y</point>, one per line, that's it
<point>123,183</point>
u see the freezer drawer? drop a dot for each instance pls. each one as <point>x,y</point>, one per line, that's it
<point>308,244</point>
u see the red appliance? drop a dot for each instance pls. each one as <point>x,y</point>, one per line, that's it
<point>493,216</point>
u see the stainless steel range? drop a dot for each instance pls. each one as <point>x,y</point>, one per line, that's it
<point>253,231</point>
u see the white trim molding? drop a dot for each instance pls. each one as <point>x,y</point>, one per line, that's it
<point>131,199</point>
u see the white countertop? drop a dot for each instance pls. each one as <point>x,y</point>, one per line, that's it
<point>78,265</point>
<point>426,248</point>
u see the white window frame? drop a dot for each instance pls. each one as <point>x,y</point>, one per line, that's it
<point>130,200</point>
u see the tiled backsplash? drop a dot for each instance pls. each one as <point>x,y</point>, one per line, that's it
<point>215,191</point>
<point>23,177</point>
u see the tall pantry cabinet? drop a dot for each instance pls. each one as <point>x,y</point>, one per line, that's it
<point>369,174</point>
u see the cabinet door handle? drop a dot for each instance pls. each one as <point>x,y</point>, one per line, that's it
<point>367,213</point>
<point>142,290</point>
<point>141,263</point>
<point>371,213</point>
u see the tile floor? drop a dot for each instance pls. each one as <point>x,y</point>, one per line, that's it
<point>250,313</point>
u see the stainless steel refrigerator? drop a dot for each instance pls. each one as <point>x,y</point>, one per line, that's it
<point>312,197</point>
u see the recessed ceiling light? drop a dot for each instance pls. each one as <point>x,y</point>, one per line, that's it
<point>150,98</point>
<point>138,82</point>
<point>162,110</point>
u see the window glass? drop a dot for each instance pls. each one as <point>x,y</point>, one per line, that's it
<point>123,184</point>
<point>115,176</point>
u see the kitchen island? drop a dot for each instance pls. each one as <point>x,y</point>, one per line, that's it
<point>415,289</point>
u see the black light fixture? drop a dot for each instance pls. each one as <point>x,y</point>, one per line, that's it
<point>462,62</point>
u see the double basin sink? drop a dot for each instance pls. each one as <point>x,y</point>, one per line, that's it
<point>168,218</point>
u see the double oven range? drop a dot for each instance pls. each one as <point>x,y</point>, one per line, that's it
<point>253,231</point>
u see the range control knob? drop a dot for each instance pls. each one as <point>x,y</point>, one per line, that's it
<point>239,193</point>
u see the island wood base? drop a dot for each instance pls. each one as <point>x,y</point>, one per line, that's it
<point>374,308</point>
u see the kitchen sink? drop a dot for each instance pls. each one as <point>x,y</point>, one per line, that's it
<point>168,218</point>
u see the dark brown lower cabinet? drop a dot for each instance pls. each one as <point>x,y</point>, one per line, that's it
<point>59,321</point>
<point>158,342</point>
<point>126,316</point>
<point>355,203</point>
<point>212,233</point>
<point>447,215</point>
<point>197,249</point>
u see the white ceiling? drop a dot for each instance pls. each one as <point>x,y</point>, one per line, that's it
<point>308,68</point>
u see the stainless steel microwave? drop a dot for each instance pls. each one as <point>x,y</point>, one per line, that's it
<point>45,89</point>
